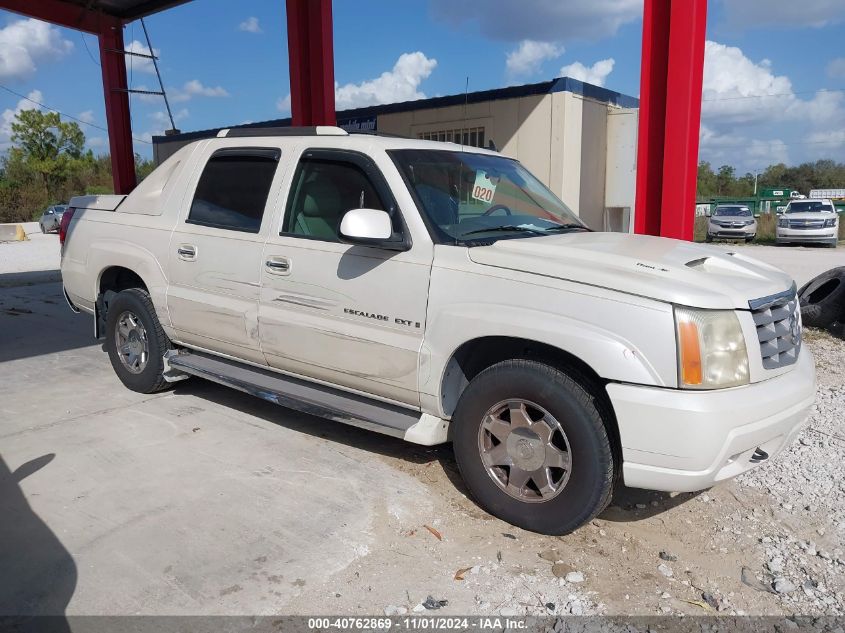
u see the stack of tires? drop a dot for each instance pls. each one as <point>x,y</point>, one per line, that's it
<point>823,301</point>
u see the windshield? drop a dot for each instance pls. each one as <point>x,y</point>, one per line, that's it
<point>809,205</point>
<point>466,196</point>
<point>732,212</point>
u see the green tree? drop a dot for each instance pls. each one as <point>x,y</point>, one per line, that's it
<point>49,147</point>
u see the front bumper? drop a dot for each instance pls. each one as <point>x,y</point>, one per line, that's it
<point>732,233</point>
<point>825,235</point>
<point>681,441</point>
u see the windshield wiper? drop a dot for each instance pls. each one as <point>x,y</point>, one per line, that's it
<point>505,227</point>
<point>570,226</point>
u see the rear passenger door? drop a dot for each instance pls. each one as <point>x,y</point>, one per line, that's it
<point>215,250</point>
<point>346,314</point>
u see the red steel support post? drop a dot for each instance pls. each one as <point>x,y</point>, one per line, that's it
<point>115,85</point>
<point>311,59</point>
<point>670,116</point>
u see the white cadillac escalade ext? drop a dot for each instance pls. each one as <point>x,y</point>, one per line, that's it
<point>440,293</point>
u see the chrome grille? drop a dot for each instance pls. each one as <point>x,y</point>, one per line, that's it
<point>806,224</point>
<point>778,328</point>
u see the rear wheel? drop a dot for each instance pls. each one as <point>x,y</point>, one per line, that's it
<point>135,341</point>
<point>532,447</point>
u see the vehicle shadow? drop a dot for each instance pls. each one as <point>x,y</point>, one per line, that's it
<point>628,504</point>
<point>35,318</point>
<point>37,574</point>
<point>636,504</point>
<point>370,441</point>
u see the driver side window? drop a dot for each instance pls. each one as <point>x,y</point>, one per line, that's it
<point>323,190</point>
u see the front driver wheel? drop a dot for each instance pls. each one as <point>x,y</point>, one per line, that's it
<point>135,341</point>
<point>533,448</point>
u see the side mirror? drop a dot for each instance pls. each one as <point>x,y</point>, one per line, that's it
<point>370,227</point>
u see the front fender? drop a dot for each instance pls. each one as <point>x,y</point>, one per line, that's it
<point>622,338</point>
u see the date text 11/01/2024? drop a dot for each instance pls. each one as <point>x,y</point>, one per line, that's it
<point>420,623</point>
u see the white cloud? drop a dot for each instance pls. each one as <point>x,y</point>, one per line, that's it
<point>542,20</point>
<point>194,88</point>
<point>744,153</point>
<point>26,43</point>
<point>283,104</point>
<point>783,13</point>
<point>250,25</point>
<point>529,56</point>
<point>160,123</point>
<point>136,64</point>
<point>836,68</point>
<point>399,84</point>
<point>596,74</point>
<point>86,117</point>
<point>736,90</point>
<point>9,115</point>
<point>96,142</point>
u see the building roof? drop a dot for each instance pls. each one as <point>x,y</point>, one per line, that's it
<point>560,84</point>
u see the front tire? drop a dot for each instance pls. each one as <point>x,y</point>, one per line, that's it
<point>136,342</point>
<point>533,448</point>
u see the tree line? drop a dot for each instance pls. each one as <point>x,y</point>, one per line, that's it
<point>47,164</point>
<point>822,174</point>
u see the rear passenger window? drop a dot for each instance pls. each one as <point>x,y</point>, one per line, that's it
<point>232,191</point>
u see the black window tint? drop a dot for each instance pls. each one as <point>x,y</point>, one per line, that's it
<point>322,191</point>
<point>233,189</point>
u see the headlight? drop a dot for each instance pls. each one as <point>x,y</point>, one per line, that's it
<point>830,223</point>
<point>783,223</point>
<point>749,222</point>
<point>711,349</point>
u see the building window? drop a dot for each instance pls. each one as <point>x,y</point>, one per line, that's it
<point>472,136</point>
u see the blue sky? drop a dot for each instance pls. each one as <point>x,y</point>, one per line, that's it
<point>225,62</point>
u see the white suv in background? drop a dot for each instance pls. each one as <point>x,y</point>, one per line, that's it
<point>810,221</point>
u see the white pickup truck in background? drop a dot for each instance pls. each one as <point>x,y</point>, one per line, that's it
<point>438,293</point>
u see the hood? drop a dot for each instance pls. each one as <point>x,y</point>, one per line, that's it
<point>658,268</point>
<point>810,215</point>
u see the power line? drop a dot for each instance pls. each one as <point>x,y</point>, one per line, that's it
<point>776,94</point>
<point>85,43</point>
<point>67,116</point>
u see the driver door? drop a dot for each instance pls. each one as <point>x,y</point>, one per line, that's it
<point>349,315</point>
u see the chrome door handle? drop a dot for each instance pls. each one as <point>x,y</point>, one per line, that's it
<point>187,252</point>
<point>278,265</point>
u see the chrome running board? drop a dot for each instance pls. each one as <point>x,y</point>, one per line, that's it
<point>296,394</point>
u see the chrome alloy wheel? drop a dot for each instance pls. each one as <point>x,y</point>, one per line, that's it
<point>524,450</point>
<point>130,338</point>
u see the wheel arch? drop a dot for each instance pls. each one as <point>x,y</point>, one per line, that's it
<point>475,355</point>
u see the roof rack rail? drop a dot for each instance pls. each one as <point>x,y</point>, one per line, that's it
<point>313,130</point>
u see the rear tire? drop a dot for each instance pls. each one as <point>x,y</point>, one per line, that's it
<point>136,342</point>
<point>502,417</point>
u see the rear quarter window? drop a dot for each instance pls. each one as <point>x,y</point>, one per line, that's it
<point>233,188</point>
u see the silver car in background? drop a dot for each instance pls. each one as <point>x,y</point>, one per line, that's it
<point>731,222</point>
<point>51,219</point>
